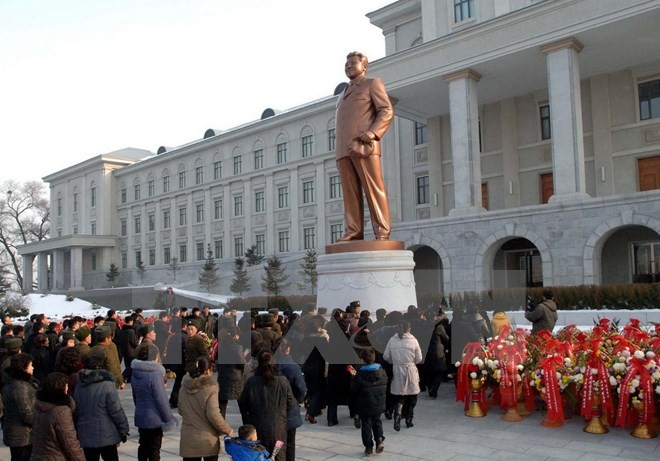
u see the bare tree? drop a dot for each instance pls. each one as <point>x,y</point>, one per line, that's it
<point>24,218</point>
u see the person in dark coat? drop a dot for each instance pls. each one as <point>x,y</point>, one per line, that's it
<point>162,329</point>
<point>544,315</point>
<point>196,345</point>
<point>339,379</point>
<point>231,365</point>
<point>370,389</point>
<point>53,430</point>
<point>292,372</point>
<point>127,343</point>
<point>466,327</point>
<point>43,359</point>
<point>68,362</point>
<point>100,418</point>
<point>174,356</point>
<point>18,398</point>
<point>265,402</point>
<point>435,364</point>
<point>315,340</point>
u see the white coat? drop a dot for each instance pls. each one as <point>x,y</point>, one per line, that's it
<point>403,353</point>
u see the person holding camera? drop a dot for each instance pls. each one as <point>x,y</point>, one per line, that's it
<point>544,315</point>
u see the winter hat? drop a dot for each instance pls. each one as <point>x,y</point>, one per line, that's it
<point>82,333</point>
<point>145,329</point>
<point>102,332</point>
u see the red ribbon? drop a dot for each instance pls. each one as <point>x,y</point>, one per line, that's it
<point>645,384</point>
<point>463,392</point>
<point>552,392</point>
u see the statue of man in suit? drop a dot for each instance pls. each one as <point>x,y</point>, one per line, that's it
<point>364,112</point>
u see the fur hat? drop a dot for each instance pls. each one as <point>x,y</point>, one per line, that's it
<point>82,333</point>
<point>102,332</point>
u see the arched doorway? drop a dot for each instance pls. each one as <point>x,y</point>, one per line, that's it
<point>631,254</point>
<point>428,271</point>
<point>517,263</point>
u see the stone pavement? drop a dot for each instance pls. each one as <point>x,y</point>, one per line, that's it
<point>441,433</point>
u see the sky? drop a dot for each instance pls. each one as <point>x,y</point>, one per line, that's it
<point>79,78</point>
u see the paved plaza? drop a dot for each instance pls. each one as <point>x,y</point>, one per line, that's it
<point>441,432</point>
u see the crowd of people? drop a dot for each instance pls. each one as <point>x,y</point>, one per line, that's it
<point>61,382</point>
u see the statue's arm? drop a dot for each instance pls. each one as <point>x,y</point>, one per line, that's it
<point>383,108</point>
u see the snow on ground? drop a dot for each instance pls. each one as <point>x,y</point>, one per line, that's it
<point>210,298</point>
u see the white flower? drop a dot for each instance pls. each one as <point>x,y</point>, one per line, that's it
<point>656,375</point>
<point>480,363</point>
<point>484,372</point>
<point>490,363</point>
<point>657,390</point>
<point>475,360</point>
<point>473,375</point>
<point>583,370</point>
<point>499,347</point>
<point>518,378</point>
<point>634,383</point>
<point>594,371</point>
<point>619,366</point>
<point>520,368</point>
<point>558,375</point>
<point>625,353</point>
<point>639,354</point>
<point>497,363</point>
<point>579,377</point>
<point>613,381</point>
<point>458,364</point>
<point>510,337</point>
<point>567,361</point>
<point>650,354</point>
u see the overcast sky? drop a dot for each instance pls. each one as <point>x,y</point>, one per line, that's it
<point>79,78</point>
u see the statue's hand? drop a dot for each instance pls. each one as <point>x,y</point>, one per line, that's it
<point>367,137</point>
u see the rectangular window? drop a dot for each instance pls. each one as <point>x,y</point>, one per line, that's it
<point>59,207</point>
<point>166,184</point>
<point>217,209</point>
<point>93,228</point>
<point>166,219</point>
<point>335,186</point>
<point>123,195</point>
<point>199,213</point>
<point>309,238</point>
<point>259,201</point>
<point>649,100</point>
<point>218,249</point>
<point>138,258</point>
<point>166,255</point>
<point>261,243</point>
<point>258,159</point>
<point>124,260</point>
<point>307,145</point>
<point>200,251</point>
<point>283,239</point>
<point>93,261</point>
<point>93,197</point>
<point>183,218</point>
<point>183,253</point>
<point>283,197</point>
<point>136,191</point>
<point>336,231</point>
<point>238,164</point>
<point>199,175</point>
<point>308,191</point>
<point>182,179</point>
<point>422,190</point>
<point>217,170</point>
<point>151,219</point>
<point>281,153</point>
<point>421,133</point>
<point>238,247</point>
<point>151,186</point>
<point>122,228</point>
<point>544,112</point>
<point>332,138</point>
<point>138,224</point>
<point>463,9</point>
<point>238,205</point>
<point>152,257</point>
<point>75,202</point>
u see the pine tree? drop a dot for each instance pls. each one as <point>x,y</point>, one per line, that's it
<point>241,281</point>
<point>141,270</point>
<point>308,272</point>
<point>208,277</point>
<point>252,257</point>
<point>112,275</point>
<point>274,280</point>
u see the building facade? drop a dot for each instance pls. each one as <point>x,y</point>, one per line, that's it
<point>525,152</point>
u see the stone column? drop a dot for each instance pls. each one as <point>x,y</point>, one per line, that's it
<point>58,270</point>
<point>76,269</point>
<point>464,119</point>
<point>566,120</point>
<point>42,272</point>
<point>28,261</point>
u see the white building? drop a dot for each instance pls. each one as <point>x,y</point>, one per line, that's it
<point>525,151</point>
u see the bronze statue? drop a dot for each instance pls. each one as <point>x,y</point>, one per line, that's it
<point>364,112</point>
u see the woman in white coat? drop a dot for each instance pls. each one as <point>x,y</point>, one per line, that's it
<point>403,352</point>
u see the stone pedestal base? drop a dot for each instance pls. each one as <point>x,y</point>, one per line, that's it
<point>378,279</point>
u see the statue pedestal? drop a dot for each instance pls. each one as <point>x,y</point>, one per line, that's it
<point>378,278</point>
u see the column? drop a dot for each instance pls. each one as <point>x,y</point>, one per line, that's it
<point>464,119</point>
<point>270,213</point>
<point>58,270</point>
<point>28,261</point>
<point>76,269</point>
<point>566,120</point>
<point>320,207</point>
<point>434,146</point>
<point>509,136</point>
<point>602,135</point>
<point>42,272</point>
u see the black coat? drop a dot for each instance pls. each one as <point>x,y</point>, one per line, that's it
<point>266,406</point>
<point>19,395</point>
<point>128,341</point>
<point>370,389</point>
<point>436,360</point>
<point>231,364</point>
